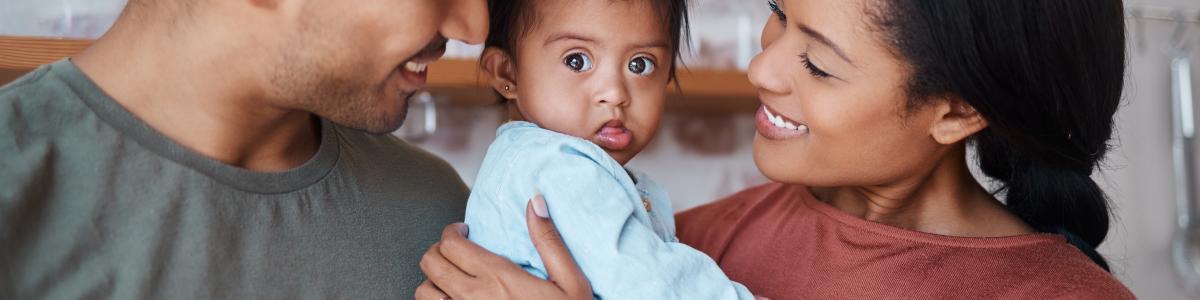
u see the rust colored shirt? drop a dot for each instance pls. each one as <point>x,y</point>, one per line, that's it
<point>782,243</point>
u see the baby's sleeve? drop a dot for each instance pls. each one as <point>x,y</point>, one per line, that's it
<point>610,235</point>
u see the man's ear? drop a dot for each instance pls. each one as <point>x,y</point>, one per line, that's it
<point>956,121</point>
<point>500,70</point>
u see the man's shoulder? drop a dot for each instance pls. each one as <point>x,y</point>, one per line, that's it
<point>32,80</point>
<point>40,98</point>
<point>39,107</point>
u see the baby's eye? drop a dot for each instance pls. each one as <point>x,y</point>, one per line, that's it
<point>641,65</point>
<point>578,62</point>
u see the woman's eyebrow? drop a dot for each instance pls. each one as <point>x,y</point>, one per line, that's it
<point>825,40</point>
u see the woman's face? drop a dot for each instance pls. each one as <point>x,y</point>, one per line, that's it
<point>834,105</point>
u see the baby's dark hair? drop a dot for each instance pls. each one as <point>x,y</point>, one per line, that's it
<point>510,19</point>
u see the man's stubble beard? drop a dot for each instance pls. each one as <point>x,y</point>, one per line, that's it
<point>315,78</point>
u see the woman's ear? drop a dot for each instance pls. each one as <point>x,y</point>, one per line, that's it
<point>499,67</point>
<point>956,121</point>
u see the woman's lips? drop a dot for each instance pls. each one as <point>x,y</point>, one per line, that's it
<point>774,126</point>
<point>613,136</point>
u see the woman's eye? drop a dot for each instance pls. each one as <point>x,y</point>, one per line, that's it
<point>641,65</point>
<point>813,69</point>
<point>774,5</point>
<point>578,62</point>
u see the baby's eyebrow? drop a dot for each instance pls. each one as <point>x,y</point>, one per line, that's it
<point>565,36</point>
<point>562,36</point>
<point>655,44</point>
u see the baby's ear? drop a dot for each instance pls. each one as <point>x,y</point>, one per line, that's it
<point>499,68</point>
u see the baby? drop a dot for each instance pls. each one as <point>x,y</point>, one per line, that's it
<point>585,82</point>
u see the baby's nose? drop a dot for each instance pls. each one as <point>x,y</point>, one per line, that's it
<point>613,92</point>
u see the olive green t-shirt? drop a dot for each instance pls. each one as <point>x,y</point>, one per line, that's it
<point>94,203</point>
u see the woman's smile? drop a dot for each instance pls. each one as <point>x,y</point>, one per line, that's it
<point>775,126</point>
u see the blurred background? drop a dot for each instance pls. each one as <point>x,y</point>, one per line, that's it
<point>703,153</point>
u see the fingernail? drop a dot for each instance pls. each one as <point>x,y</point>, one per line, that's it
<point>462,229</point>
<point>539,207</point>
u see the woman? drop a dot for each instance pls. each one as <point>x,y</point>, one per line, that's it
<point>868,109</point>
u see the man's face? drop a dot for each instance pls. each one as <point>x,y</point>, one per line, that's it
<point>356,62</point>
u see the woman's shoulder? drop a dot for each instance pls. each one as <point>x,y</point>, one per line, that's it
<point>1036,266</point>
<point>1060,271</point>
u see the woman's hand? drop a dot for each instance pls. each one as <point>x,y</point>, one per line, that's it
<point>459,269</point>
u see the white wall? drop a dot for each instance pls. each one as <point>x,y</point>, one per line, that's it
<point>1193,4</point>
<point>58,18</point>
<point>1139,178</point>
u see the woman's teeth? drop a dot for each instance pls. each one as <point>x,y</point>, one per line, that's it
<point>780,122</point>
<point>415,67</point>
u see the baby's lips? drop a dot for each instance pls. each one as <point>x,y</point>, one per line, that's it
<point>614,138</point>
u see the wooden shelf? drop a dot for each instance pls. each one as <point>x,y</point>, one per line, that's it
<point>26,53</point>
<point>707,91</point>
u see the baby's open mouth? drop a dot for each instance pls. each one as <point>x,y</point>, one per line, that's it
<point>613,136</point>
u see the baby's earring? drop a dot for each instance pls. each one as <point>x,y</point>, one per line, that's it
<point>507,87</point>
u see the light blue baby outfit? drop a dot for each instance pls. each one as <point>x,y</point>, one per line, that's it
<point>620,232</point>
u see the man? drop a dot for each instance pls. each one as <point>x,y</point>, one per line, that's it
<point>229,149</point>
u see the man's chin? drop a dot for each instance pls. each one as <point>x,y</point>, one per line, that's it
<point>378,115</point>
<point>387,124</point>
<point>379,124</point>
<point>385,128</point>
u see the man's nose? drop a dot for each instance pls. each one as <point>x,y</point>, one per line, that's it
<point>467,21</point>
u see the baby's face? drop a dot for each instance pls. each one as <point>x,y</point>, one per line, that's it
<point>595,69</point>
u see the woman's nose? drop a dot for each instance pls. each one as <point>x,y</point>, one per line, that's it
<point>769,71</point>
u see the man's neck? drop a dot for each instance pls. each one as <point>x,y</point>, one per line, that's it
<point>202,91</point>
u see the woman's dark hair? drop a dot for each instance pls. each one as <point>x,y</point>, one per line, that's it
<point>510,19</point>
<point>1047,75</point>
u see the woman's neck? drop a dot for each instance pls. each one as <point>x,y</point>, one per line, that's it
<point>945,199</point>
